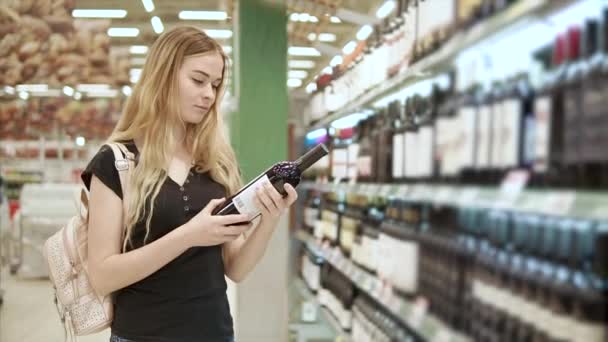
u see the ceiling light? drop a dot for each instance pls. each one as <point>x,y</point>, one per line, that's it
<point>148,5</point>
<point>294,17</point>
<point>9,90</point>
<point>127,90</point>
<point>99,13</point>
<point>202,15</point>
<point>69,91</point>
<point>123,32</point>
<point>311,87</point>
<point>92,87</point>
<point>312,36</point>
<point>327,70</point>
<point>24,95</point>
<point>157,25</point>
<point>385,9</point>
<point>349,47</point>
<point>103,93</point>
<point>219,34</point>
<point>32,87</point>
<point>77,96</point>
<point>303,51</point>
<point>80,141</point>
<point>227,49</point>
<point>327,37</point>
<point>297,74</point>
<point>294,82</point>
<point>304,17</point>
<point>335,19</point>
<point>134,75</point>
<point>138,49</point>
<point>313,19</point>
<point>364,32</point>
<point>294,64</point>
<point>337,60</point>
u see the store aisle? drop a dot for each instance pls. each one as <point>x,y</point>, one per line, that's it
<point>28,313</point>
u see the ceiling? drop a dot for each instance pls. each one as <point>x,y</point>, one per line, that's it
<point>298,31</point>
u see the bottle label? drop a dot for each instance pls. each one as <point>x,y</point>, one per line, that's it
<point>512,113</point>
<point>484,131</point>
<point>498,135</point>
<point>245,201</point>
<point>542,112</point>
<point>468,117</point>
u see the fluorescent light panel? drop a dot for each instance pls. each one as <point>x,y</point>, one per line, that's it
<point>148,5</point>
<point>349,47</point>
<point>385,9</point>
<point>157,25</point>
<point>311,87</point>
<point>297,74</point>
<point>364,32</point>
<point>301,64</point>
<point>138,49</point>
<point>327,37</point>
<point>92,87</point>
<point>303,51</point>
<point>32,87</point>
<point>219,34</point>
<point>123,32</point>
<point>99,13</point>
<point>294,82</point>
<point>202,15</point>
<point>337,60</point>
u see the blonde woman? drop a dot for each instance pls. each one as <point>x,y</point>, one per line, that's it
<point>167,270</point>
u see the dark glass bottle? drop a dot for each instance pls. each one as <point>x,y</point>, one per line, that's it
<point>573,107</point>
<point>398,132</point>
<point>277,175</point>
<point>594,120</point>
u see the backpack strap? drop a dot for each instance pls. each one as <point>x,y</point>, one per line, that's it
<point>124,163</point>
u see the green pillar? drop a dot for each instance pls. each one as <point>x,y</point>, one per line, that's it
<point>259,129</point>
<point>258,132</point>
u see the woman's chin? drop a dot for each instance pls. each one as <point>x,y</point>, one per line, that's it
<point>194,119</point>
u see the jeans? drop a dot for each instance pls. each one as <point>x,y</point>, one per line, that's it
<point>115,338</point>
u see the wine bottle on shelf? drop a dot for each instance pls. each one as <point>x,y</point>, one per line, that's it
<point>590,302</point>
<point>398,134</point>
<point>278,175</point>
<point>573,108</point>
<point>426,134</point>
<point>384,148</point>
<point>548,112</point>
<point>410,140</point>
<point>595,121</point>
<point>484,136</point>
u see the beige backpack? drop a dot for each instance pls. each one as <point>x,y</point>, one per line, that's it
<point>81,310</point>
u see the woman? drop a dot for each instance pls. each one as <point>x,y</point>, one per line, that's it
<point>167,270</point>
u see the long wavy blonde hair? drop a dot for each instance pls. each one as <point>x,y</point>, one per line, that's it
<point>152,112</point>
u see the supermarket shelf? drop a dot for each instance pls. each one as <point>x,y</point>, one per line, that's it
<point>570,203</point>
<point>422,69</point>
<point>327,316</point>
<point>426,326</point>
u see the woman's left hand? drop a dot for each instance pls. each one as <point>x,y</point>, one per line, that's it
<point>271,203</point>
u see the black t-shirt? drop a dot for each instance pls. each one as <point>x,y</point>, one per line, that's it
<point>186,299</point>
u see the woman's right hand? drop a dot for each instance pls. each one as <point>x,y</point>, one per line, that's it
<point>205,229</point>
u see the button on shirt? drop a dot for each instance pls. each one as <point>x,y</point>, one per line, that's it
<point>186,299</point>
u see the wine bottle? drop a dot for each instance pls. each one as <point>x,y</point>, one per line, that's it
<point>280,173</point>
